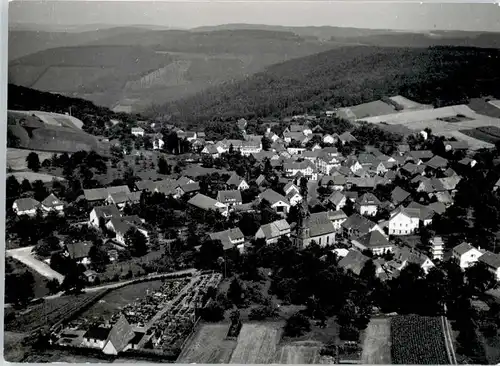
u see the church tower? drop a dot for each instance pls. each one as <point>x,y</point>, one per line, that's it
<point>302,229</point>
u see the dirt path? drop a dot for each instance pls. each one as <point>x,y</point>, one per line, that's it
<point>377,342</point>
<point>24,256</point>
<point>448,339</point>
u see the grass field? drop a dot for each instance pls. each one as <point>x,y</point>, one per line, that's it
<point>299,353</point>
<point>377,342</point>
<point>32,176</point>
<point>208,345</point>
<point>40,285</point>
<point>257,343</point>
<point>117,299</point>
<point>489,134</point>
<point>16,158</point>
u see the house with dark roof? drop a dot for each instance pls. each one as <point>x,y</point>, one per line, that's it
<point>437,163</point>
<point>119,338</point>
<point>456,145</point>
<point>120,199</point>
<point>422,155</point>
<point>354,261</point>
<point>404,256</point>
<point>273,231</point>
<point>468,162</point>
<point>367,204</point>
<point>79,252</point>
<point>52,203</point>
<point>426,213</point>
<point>337,199</point>
<point>207,203</point>
<point>101,194</point>
<point>277,201</point>
<point>230,238</point>
<point>121,225</point>
<point>187,189</point>
<point>492,261</point>
<point>238,182</point>
<point>103,212</point>
<point>374,241</point>
<point>399,195</point>
<point>25,206</point>
<point>96,337</point>
<point>357,225</point>
<point>347,137</point>
<point>230,197</point>
<point>466,255</point>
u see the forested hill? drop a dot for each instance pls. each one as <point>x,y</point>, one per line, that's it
<point>348,76</point>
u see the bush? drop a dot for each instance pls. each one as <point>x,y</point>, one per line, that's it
<point>349,332</point>
<point>212,312</point>
<point>262,312</point>
<point>297,325</point>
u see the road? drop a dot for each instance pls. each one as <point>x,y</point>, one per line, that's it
<point>25,256</point>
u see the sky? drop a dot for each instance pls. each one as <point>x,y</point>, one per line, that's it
<point>400,15</point>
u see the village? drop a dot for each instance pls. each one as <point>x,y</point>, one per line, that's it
<point>302,186</point>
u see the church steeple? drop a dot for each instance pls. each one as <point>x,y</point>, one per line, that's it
<point>302,232</point>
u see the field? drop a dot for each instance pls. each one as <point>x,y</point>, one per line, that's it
<point>40,284</point>
<point>418,340</point>
<point>489,134</point>
<point>117,299</point>
<point>208,345</point>
<point>377,342</point>
<point>16,158</point>
<point>46,313</point>
<point>32,176</point>
<point>257,343</point>
<point>299,353</point>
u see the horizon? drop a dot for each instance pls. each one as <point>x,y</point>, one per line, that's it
<point>184,15</point>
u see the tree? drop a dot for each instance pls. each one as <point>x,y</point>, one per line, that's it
<point>212,312</point>
<point>207,161</point>
<point>479,278</point>
<point>12,140</point>
<point>39,190</point>
<point>235,316</point>
<point>26,185</point>
<point>33,161</point>
<point>98,257</point>
<point>19,287</point>
<point>47,246</point>
<point>349,332</point>
<point>235,292</point>
<point>136,242</point>
<point>163,166</point>
<point>53,286</point>
<point>12,187</point>
<point>266,143</point>
<point>296,325</point>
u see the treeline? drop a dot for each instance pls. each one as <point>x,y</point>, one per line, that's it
<point>348,76</point>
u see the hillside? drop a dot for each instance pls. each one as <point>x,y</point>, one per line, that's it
<point>349,76</point>
<point>152,66</point>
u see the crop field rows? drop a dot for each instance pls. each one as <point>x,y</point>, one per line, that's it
<point>418,340</point>
<point>257,343</point>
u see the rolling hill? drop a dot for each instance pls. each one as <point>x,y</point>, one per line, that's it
<point>349,76</point>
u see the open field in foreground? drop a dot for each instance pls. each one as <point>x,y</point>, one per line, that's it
<point>377,342</point>
<point>299,353</point>
<point>208,345</point>
<point>257,343</point>
<point>16,158</point>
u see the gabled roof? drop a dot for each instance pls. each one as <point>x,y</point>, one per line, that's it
<point>26,204</point>
<point>184,180</point>
<point>354,261</point>
<point>275,229</point>
<point>425,212</point>
<point>52,201</point>
<point>450,172</point>
<point>368,199</point>
<point>336,180</point>
<point>336,215</point>
<point>403,148</point>
<point>203,202</point>
<point>437,207</point>
<point>437,162</point>
<point>227,236</point>
<point>398,195</point>
<point>463,248</point>
<point>421,154</point>
<point>367,159</point>
<point>260,179</point>
<point>234,180</point>
<point>79,250</point>
<point>409,212</point>
<point>450,183</point>
<point>492,260</point>
<point>359,223</point>
<point>444,197</point>
<point>121,334</point>
<point>120,225</point>
<point>98,333</point>
<point>336,197</point>
<point>457,145</point>
<point>319,224</point>
<point>107,211</point>
<point>272,196</point>
<point>347,137</point>
<point>373,239</point>
<point>100,194</point>
<point>410,255</point>
<point>233,195</point>
<point>190,187</point>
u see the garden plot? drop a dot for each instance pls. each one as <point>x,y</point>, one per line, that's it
<point>299,353</point>
<point>377,342</point>
<point>257,343</point>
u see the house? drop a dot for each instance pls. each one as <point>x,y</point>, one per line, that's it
<point>337,218</point>
<point>273,231</point>
<point>426,213</point>
<point>90,276</point>
<point>230,198</point>
<point>346,137</point>
<point>79,252</point>
<point>468,162</point>
<point>357,225</point>
<point>367,160</point>
<point>236,181</point>
<point>25,206</point>
<point>120,199</point>
<point>316,227</point>
<point>230,238</point>
<point>207,203</point>
<point>354,261</point>
<point>336,182</point>
<point>437,163</point>
<point>211,150</point>
<point>277,201</point>
<point>299,128</point>
<point>158,142</point>
<point>374,241</point>
<point>96,337</point>
<point>306,168</point>
<point>261,179</point>
<point>187,189</point>
<point>353,164</point>
<point>119,338</point>
<point>338,200</point>
<point>296,150</point>
<point>326,162</point>
<point>294,197</point>
<point>105,213</point>
<point>188,135</point>
<point>328,139</point>
<point>399,195</point>
<point>466,255</point>
<point>456,145</point>
<point>340,252</point>
<point>404,221</point>
<point>404,256</point>
<point>121,225</point>
<point>367,204</point>
<point>492,261</point>
<point>290,187</point>
<point>137,131</point>
<point>403,149</point>
<point>52,203</point>
<point>96,195</point>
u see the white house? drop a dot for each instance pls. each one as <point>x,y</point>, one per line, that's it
<point>25,206</point>
<point>277,201</point>
<point>466,255</point>
<point>328,139</point>
<point>230,238</point>
<point>104,212</point>
<point>238,182</point>
<point>158,143</point>
<point>367,204</point>
<point>337,218</point>
<point>404,221</point>
<point>290,187</point>
<point>273,231</point>
<point>294,197</point>
<point>52,203</point>
<point>137,131</point>
<point>306,168</point>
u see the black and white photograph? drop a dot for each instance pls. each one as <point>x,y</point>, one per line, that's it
<point>252,182</point>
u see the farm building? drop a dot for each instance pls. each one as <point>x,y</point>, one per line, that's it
<point>207,203</point>
<point>277,201</point>
<point>273,231</point>
<point>230,238</point>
